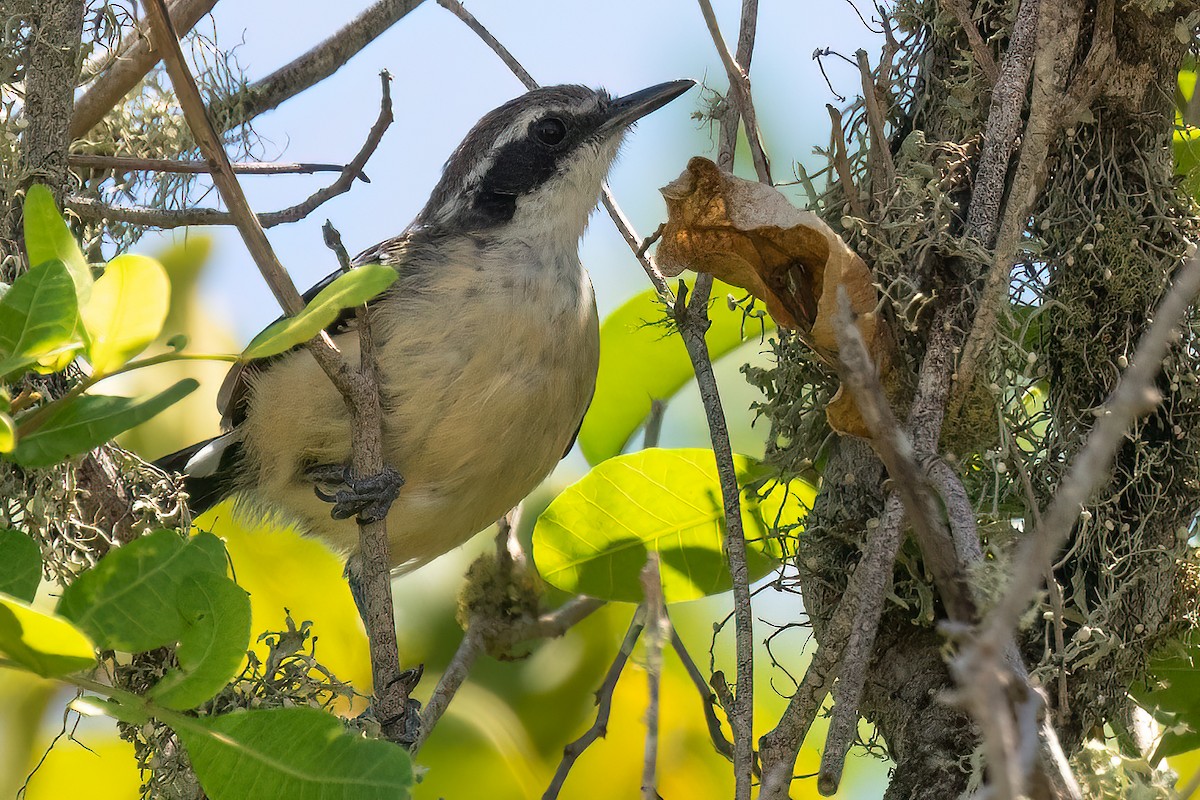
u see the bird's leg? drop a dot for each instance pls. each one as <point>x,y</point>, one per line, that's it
<point>408,678</point>
<point>369,497</point>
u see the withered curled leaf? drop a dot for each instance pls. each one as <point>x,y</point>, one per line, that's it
<point>749,235</point>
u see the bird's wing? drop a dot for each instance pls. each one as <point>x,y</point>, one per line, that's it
<point>231,398</point>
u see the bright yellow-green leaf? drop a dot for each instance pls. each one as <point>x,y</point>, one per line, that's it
<point>350,289</point>
<point>297,753</point>
<point>88,421</point>
<point>47,238</point>
<point>44,644</point>
<point>126,311</point>
<point>641,362</point>
<point>594,538</point>
<point>39,319</point>
<point>8,433</point>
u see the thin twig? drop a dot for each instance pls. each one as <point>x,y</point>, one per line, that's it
<point>483,33</point>
<point>89,209</point>
<point>841,165</point>
<point>884,172</point>
<point>357,386</point>
<point>312,67</point>
<point>721,744</point>
<point>739,89</point>
<point>727,143</point>
<point>1003,122</point>
<point>196,167</point>
<point>135,58</point>
<point>979,48</point>
<point>604,696</point>
<point>656,632</point>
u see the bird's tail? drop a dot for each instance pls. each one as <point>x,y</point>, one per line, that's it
<point>208,469</point>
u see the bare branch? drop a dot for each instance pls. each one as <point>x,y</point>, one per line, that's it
<point>604,695</point>
<point>739,89</point>
<point>881,155</point>
<point>194,167</point>
<point>483,33</point>
<point>979,48</point>
<point>841,165</point>
<point>50,77</point>
<point>720,743</point>
<point>727,143</point>
<point>134,59</point>
<point>370,568</point>
<point>1003,122</point>
<point>311,68</point>
<point>89,209</point>
<point>656,630</point>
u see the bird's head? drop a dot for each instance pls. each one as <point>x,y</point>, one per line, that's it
<point>536,163</point>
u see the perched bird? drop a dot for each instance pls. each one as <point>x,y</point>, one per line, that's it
<point>487,345</point>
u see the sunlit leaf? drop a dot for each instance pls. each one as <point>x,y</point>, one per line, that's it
<point>297,753</point>
<point>88,421</point>
<point>39,318</point>
<point>1173,697</point>
<point>8,433</point>
<point>594,537</point>
<point>641,361</point>
<point>128,601</point>
<point>21,561</point>
<point>216,612</point>
<point>47,238</point>
<point>45,644</point>
<point>126,311</point>
<point>351,289</point>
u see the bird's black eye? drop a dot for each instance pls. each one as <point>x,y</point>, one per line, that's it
<point>550,130</point>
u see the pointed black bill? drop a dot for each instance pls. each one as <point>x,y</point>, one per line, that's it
<point>627,110</point>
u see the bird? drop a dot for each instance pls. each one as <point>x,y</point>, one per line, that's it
<point>487,346</point>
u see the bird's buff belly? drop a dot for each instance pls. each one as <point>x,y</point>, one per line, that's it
<point>473,422</point>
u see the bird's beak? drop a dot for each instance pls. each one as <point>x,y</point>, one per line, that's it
<point>625,111</point>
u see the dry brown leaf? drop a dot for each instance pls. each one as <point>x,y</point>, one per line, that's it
<point>749,235</point>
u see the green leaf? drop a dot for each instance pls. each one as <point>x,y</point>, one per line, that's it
<point>22,560</point>
<point>351,289</point>
<point>641,362</point>
<point>39,318</point>
<point>297,753</point>
<point>1173,697</point>
<point>128,602</point>
<point>44,644</point>
<point>126,311</point>
<point>594,537</point>
<point>88,421</point>
<point>47,238</point>
<point>8,433</point>
<point>212,645</point>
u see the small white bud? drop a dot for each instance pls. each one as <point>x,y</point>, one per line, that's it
<point>1122,362</point>
<point>1001,467</point>
<point>1031,357</point>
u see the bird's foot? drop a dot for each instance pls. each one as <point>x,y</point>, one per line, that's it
<point>403,728</point>
<point>369,497</point>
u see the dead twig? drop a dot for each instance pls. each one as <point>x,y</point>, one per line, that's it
<point>656,631</point>
<point>311,68</point>
<point>89,209</point>
<point>721,744</point>
<point>841,165</point>
<point>357,386</point>
<point>604,695</point>
<point>979,48</point>
<point>739,88</point>
<point>195,167</point>
<point>134,59</point>
<point>884,172</point>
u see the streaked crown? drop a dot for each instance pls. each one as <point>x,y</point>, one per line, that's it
<point>544,153</point>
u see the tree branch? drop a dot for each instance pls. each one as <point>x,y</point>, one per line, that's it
<point>657,628</point>
<point>358,387</point>
<point>739,88</point>
<point>134,59</point>
<point>194,167</point>
<point>89,209</point>
<point>50,76</point>
<point>311,68</point>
